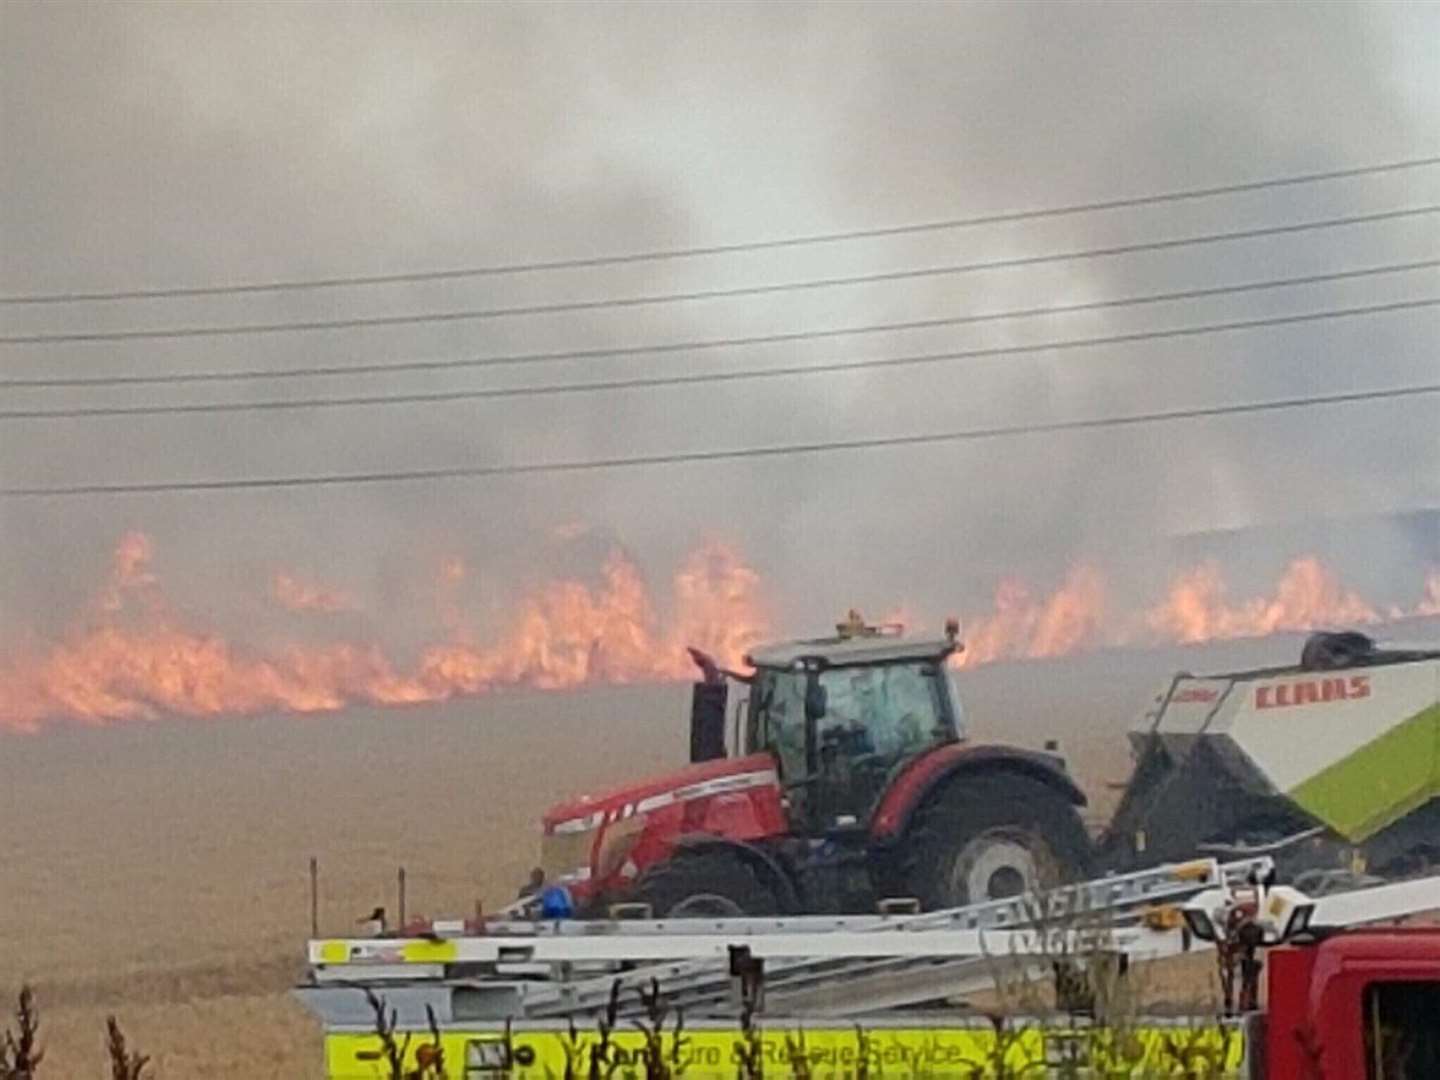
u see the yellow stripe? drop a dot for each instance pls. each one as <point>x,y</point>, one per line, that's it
<point>829,1053</point>
<point>431,952</point>
<point>410,952</point>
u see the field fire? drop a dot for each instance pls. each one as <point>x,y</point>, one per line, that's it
<point>522,524</point>
<point>136,654</point>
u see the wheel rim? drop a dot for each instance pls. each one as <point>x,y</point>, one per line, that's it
<point>995,865</point>
<point>705,906</point>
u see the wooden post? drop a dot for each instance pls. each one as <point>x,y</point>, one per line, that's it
<point>314,897</point>
<point>401,876</point>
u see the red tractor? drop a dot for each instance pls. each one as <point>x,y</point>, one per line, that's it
<point>845,780</point>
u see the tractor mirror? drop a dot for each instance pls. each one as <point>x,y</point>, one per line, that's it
<point>707,721</point>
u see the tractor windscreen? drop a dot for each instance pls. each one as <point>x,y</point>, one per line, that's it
<point>888,712</point>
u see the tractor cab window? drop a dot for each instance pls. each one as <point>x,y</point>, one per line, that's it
<point>1402,1038</point>
<point>882,714</point>
<point>891,711</point>
<point>777,719</point>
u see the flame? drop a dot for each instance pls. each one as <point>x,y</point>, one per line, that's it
<point>717,599</point>
<point>1307,597</point>
<point>293,594</point>
<point>1430,603</point>
<point>448,582</point>
<point>569,634</point>
<point>132,656</point>
<point>136,658</point>
<point>1197,608</point>
<point>1023,627</point>
<point>130,573</point>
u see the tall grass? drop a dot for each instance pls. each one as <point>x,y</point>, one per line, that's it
<point>21,1052</point>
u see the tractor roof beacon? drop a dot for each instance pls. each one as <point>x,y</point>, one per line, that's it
<point>845,780</point>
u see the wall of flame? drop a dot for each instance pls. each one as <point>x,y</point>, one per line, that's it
<point>133,656</point>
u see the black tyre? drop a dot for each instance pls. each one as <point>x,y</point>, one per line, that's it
<point>706,885</point>
<point>991,837</point>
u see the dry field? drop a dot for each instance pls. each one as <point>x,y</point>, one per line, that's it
<point>159,870</point>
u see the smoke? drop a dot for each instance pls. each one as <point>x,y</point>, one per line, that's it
<point>156,144</point>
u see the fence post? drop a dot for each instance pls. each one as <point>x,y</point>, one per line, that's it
<point>401,877</point>
<point>314,897</point>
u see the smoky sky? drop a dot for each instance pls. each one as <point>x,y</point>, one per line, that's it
<point>165,144</point>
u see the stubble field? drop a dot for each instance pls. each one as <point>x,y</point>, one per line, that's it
<point>159,871</point>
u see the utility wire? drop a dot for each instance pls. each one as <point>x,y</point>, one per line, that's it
<point>582,262</point>
<point>715,294</point>
<point>583,465</point>
<point>453,363</point>
<point>700,378</point>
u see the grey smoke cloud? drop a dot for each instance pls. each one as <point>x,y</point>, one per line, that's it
<point>154,144</point>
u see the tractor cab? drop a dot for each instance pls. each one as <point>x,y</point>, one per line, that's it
<point>843,716</point>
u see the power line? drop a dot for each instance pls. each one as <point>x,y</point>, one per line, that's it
<point>583,262</point>
<point>699,456</point>
<point>714,294</point>
<point>452,363</point>
<point>709,377</point>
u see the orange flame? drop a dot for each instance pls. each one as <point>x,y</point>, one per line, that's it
<point>1430,603</point>
<point>1307,597</point>
<point>129,572</point>
<point>134,657</point>
<point>139,661</point>
<point>293,594</point>
<point>1021,626</point>
<point>1197,608</point>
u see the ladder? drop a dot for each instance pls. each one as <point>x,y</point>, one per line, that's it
<point>819,963</point>
<point>844,980</point>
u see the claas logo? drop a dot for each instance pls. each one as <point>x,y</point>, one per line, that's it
<point>1282,695</point>
<point>1194,695</point>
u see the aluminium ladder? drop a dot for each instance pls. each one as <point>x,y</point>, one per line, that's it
<point>569,968</point>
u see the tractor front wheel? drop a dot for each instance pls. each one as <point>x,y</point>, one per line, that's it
<point>705,885</point>
<point>993,837</point>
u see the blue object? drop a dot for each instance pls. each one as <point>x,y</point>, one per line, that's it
<point>556,903</point>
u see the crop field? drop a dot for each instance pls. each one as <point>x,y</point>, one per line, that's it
<point>159,871</point>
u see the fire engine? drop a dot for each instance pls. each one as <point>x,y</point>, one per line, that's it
<point>891,994</point>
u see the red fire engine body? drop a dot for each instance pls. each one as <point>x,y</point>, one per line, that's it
<point>1358,1004</point>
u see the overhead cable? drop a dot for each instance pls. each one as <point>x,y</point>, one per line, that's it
<point>465,362</point>
<point>658,255</point>
<point>709,377</point>
<point>606,303</point>
<point>585,465</point>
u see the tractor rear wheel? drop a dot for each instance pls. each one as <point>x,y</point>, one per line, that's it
<point>705,885</point>
<point>992,837</point>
